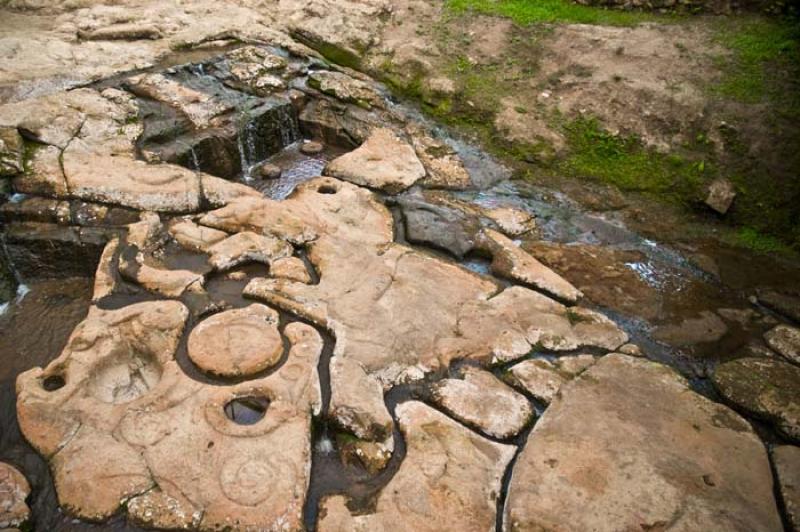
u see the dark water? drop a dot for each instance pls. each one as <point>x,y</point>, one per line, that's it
<point>35,329</point>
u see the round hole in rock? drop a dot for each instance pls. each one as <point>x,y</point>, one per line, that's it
<point>246,410</point>
<point>53,383</point>
<point>326,189</point>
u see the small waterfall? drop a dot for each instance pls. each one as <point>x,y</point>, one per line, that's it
<point>10,281</point>
<point>288,125</point>
<point>195,160</point>
<point>246,140</point>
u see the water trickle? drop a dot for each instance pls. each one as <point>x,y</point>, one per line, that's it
<point>247,146</point>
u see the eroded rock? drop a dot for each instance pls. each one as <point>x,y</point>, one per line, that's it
<point>238,342</point>
<point>449,480</point>
<point>11,150</point>
<point>511,261</point>
<point>247,247</point>
<point>705,328</point>
<point>120,421</point>
<point>383,162</point>
<point>786,459</point>
<point>628,445</point>
<point>14,489</point>
<point>482,401</point>
<point>785,340</point>
<point>344,87</point>
<point>768,388</point>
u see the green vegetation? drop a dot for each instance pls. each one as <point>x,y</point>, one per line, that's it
<point>532,11</point>
<point>762,52</point>
<point>750,238</point>
<point>626,163</point>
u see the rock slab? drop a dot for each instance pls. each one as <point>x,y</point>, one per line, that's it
<point>449,480</point>
<point>482,401</point>
<point>384,162</point>
<point>684,463</point>
<point>768,388</point>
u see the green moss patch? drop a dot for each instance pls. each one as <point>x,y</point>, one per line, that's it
<point>550,11</point>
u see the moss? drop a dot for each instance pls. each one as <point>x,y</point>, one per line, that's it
<point>752,239</point>
<point>331,52</point>
<point>549,11</point>
<point>625,162</point>
<point>761,51</point>
<point>28,153</point>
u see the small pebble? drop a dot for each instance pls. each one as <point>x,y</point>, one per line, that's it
<point>311,147</point>
<point>269,171</point>
<point>631,350</point>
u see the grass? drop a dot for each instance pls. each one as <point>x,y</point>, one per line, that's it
<point>750,238</point>
<point>625,162</point>
<point>526,12</point>
<point>761,51</point>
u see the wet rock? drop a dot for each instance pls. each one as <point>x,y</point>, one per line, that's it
<point>437,219</point>
<point>602,274</point>
<point>219,192</point>
<point>628,445</point>
<point>538,377</point>
<point>631,350</point>
<point>43,174</point>
<point>172,448</point>
<point>383,162</point>
<point>721,194</point>
<point>706,328</point>
<point>786,459</point>
<point>236,343</point>
<point>44,250</point>
<point>291,268</point>
<point>444,168</point>
<point>269,171</point>
<point>36,209</point>
<point>311,147</point>
<point>344,88</point>
<point>195,237</point>
<point>785,340</point>
<point>14,489</point>
<point>767,388</point>
<point>199,107</point>
<point>247,247</point>
<point>513,222</point>
<point>255,70</point>
<point>11,150</point>
<point>449,480</point>
<point>105,279</point>
<point>357,406</point>
<point>511,261</point>
<point>480,400</point>
<point>575,365</point>
<point>168,283</point>
<point>785,303</point>
<point>121,32</point>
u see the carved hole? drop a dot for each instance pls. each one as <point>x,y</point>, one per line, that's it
<point>326,189</point>
<point>53,383</point>
<point>247,410</point>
